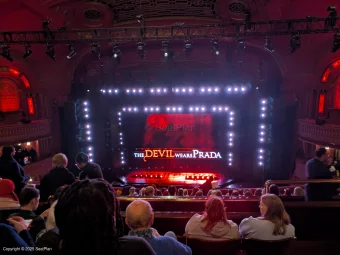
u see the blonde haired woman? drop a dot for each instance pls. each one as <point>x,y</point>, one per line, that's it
<point>274,223</point>
<point>57,177</point>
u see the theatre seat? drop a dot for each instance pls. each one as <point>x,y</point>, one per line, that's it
<point>204,247</point>
<point>256,247</point>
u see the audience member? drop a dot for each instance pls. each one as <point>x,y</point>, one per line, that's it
<point>88,217</point>
<point>218,193</point>
<point>274,189</point>
<point>11,169</point>
<point>165,192</point>
<point>132,191</point>
<point>235,193</point>
<point>180,192</point>
<point>194,190</point>
<point>298,191</point>
<point>7,189</point>
<point>210,192</point>
<point>56,178</point>
<point>158,193</point>
<point>213,223</point>
<point>287,192</point>
<point>199,193</point>
<point>185,192</point>
<point>139,218</point>
<point>149,191</point>
<point>318,168</point>
<point>88,170</point>
<point>205,187</point>
<point>16,236</point>
<point>274,223</point>
<point>172,190</point>
<point>29,201</point>
<point>258,192</point>
<point>247,193</point>
<point>142,192</point>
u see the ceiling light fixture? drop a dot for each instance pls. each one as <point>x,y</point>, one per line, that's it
<point>187,47</point>
<point>95,50</point>
<point>295,43</point>
<point>141,49</point>
<point>28,52</point>
<point>268,44</point>
<point>336,42</point>
<point>330,21</point>
<point>215,47</point>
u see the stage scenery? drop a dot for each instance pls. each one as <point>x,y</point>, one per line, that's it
<point>170,127</point>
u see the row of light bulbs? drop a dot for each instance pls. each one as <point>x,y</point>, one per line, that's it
<point>181,109</point>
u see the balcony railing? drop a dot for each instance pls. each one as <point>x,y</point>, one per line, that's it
<point>20,132</point>
<point>326,134</point>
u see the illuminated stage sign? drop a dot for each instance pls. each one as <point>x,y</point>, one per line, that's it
<point>174,153</point>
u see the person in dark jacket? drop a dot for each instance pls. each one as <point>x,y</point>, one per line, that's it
<point>89,170</point>
<point>318,168</point>
<point>87,215</point>
<point>29,201</point>
<point>11,169</point>
<point>56,178</point>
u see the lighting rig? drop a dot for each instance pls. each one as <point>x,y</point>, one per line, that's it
<point>293,27</point>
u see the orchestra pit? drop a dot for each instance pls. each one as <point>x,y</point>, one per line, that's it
<point>170,127</point>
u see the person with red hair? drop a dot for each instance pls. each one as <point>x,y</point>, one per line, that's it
<point>213,223</point>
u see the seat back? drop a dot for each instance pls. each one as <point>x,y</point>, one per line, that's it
<point>204,247</point>
<point>256,247</point>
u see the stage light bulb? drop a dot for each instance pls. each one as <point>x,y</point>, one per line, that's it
<point>209,89</point>
<point>176,90</point>
<point>173,109</point>
<point>262,133</point>
<point>86,116</point>
<point>202,89</point>
<point>263,101</point>
<point>119,113</point>
<point>121,153</point>
<point>197,109</point>
<point>191,109</point>
<point>229,89</point>
<point>231,118</point>
<point>260,163</point>
<point>230,154</point>
<point>230,144</point>
<point>123,162</point>
<point>203,109</point>
<point>243,89</point>
<point>120,134</point>
<point>89,138</point>
<point>261,140</point>
<point>116,90</point>
<point>158,90</point>
<point>129,109</point>
<point>183,90</point>
<point>260,157</point>
<point>88,132</point>
<point>261,151</point>
<point>231,124</point>
<point>133,91</point>
<point>190,90</point>
<point>127,91</point>
<point>263,115</point>
<point>91,160</point>
<point>85,103</point>
<point>216,89</point>
<point>263,108</point>
<point>167,109</point>
<point>119,123</point>
<point>140,90</point>
<point>145,109</point>
<point>229,164</point>
<point>90,154</point>
<point>230,159</point>
<point>121,143</point>
<point>231,134</point>
<point>87,126</point>
<point>122,158</point>
<point>157,109</point>
<point>214,109</point>
<point>230,139</point>
<point>180,109</point>
<point>262,126</point>
<point>236,89</point>
<point>220,108</point>
<point>151,109</point>
<point>135,109</point>
<point>164,90</point>
<point>104,91</point>
<point>152,90</point>
<point>120,138</point>
<point>89,148</point>
<point>85,109</point>
<point>110,91</point>
<point>217,52</point>
<point>124,109</point>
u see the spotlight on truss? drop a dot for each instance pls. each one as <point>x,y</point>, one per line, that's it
<point>268,44</point>
<point>215,47</point>
<point>336,42</point>
<point>6,53</point>
<point>50,51</point>
<point>141,49</point>
<point>295,43</point>
<point>95,50</point>
<point>330,22</point>
<point>72,51</point>
<point>28,52</point>
<point>187,47</point>
<point>167,50</point>
<point>116,51</point>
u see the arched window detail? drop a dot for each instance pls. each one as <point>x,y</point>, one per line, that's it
<point>17,73</point>
<point>30,105</point>
<point>9,96</point>
<point>337,95</point>
<point>333,67</point>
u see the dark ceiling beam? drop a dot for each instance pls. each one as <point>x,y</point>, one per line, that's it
<point>309,25</point>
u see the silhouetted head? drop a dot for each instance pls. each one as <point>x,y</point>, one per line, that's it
<point>82,159</point>
<point>8,152</point>
<point>274,189</point>
<point>214,213</point>
<point>172,190</point>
